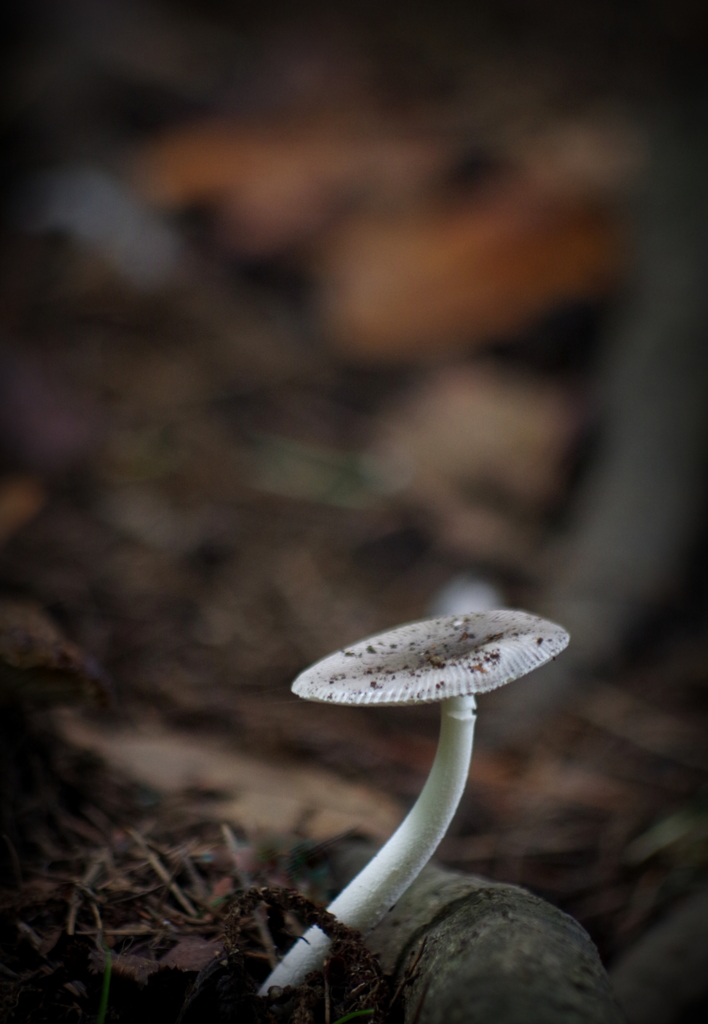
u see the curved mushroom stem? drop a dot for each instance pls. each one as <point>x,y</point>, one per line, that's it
<point>386,877</point>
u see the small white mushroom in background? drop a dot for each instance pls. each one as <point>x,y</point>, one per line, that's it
<point>465,593</point>
<point>448,660</point>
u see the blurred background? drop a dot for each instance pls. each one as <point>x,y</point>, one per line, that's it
<point>315,320</point>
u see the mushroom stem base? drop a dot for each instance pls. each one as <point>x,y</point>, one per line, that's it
<point>376,888</point>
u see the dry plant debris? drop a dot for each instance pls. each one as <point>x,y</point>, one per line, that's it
<point>163,905</point>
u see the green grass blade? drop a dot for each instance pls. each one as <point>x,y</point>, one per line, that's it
<point>103,1005</point>
<point>352,1015</point>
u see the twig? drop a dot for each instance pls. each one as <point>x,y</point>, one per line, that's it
<point>162,872</point>
<point>419,1007</point>
<point>408,974</point>
<point>355,991</point>
<point>81,888</point>
<point>261,918</point>
<point>99,924</point>
<point>138,929</point>
<point>259,914</point>
<point>195,878</point>
<point>138,895</point>
<point>73,910</point>
<point>241,876</point>
<point>31,935</point>
<point>99,819</point>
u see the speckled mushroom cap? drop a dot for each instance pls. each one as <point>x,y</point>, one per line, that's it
<point>434,659</point>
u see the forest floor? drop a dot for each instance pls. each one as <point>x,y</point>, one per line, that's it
<point>202,588</point>
<point>207,481</point>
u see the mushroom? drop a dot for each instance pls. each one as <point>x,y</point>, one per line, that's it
<point>449,660</point>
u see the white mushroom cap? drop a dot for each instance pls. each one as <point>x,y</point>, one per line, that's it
<point>434,659</point>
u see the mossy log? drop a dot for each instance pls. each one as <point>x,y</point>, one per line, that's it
<point>485,951</point>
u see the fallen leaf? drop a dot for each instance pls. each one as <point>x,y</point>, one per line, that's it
<point>223,887</point>
<point>256,795</point>
<point>277,185</point>
<point>21,498</point>
<point>39,666</point>
<point>429,281</point>
<point>125,965</point>
<point>192,954</point>
<point>483,430</point>
<point>481,451</point>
